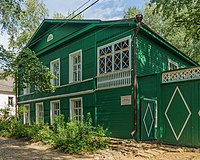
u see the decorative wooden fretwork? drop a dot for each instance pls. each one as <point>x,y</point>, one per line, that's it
<point>114,56</point>
<point>114,79</point>
<point>181,75</point>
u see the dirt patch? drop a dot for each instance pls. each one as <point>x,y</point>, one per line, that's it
<point>118,150</point>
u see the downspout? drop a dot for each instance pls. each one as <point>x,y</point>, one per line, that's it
<point>138,19</point>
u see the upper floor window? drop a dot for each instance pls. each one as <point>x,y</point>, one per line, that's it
<point>27,90</point>
<point>55,69</point>
<point>172,65</point>
<point>114,56</point>
<point>75,66</point>
<point>55,110</point>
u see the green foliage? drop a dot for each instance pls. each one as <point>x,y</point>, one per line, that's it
<point>77,136</point>
<point>33,12</point>
<point>27,69</point>
<point>186,13</point>
<point>5,112</point>
<point>71,137</point>
<point>168,28</point>
<point>10,15</point>
<point>184,17</point>
<point>31,71</point>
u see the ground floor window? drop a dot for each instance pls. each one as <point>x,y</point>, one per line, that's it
<point>54,111</point>
<point>76,109</point>
<point>40,113</point>
<point>26,114</point>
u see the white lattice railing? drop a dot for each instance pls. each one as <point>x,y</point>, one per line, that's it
<point>114,79</point>
<point>181,75</point>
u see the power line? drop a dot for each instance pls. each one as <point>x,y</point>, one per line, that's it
<point>68,20</point>
<point>80,12</point>
<point>68,16</point>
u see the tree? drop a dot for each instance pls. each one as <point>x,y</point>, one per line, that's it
<point>166,28</point>
<point>72,15</point>
<point>25,69</point>
<point>23,66</point>
<point>10,14</point>
<point>33,12</point>
<point>185,13</point>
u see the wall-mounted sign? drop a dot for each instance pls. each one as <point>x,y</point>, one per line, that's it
<point>50,37</point>
<point>126,100</point>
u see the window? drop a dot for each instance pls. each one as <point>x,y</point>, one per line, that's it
<point>172,65</point>
<point>55,110</point>
<point>75,66</point>
<point>76,109</point>
<point>114,56</point>
<point>55,69</point>
<point>40,113</point>
<point>27,90</point>
<point>10,102</point>
<point>26,114</point>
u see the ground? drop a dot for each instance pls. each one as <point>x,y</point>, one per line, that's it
<point>118,150</point>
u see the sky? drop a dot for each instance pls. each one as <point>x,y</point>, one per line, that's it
<point>103,9</point>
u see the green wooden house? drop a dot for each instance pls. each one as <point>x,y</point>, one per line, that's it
<point>93,62</point>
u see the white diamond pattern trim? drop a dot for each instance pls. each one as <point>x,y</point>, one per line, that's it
<point>181,75</point>
<point>179,135</point>
<point>148,109</point>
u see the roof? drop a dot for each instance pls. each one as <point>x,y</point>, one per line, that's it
<point>89,24</point>
<point>6,85</point>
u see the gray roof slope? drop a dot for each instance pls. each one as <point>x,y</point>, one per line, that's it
<point>6,85</point>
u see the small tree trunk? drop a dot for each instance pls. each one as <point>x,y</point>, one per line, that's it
<point>16,95</point>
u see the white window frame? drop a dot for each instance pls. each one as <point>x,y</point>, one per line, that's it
<point>52,116</point>
<point>71,55</point>
<point>170,61</point>
<point>10,101</point>
<point>27,106</point>
<point>27,90</point>
<point>113,53</point>
<point>37,112</point>
<point>51,69</point>
<point>72,107</point>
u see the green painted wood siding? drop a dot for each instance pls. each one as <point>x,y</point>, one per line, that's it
<point>152,57</point>
<point>116,118</point>
<point>58,34</point>
<point>104,105</point>
<point>88,107</point>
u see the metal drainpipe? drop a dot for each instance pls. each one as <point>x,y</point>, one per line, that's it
<point>139,18</point>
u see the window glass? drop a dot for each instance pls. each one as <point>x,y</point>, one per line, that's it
<point>75,67</point>
<point>114,57</point>
<point>55,110</point>
<point>40,113</point>
<point>76,109</point>
<point>55,69</point>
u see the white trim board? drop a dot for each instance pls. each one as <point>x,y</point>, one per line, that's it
<point>57,96</point>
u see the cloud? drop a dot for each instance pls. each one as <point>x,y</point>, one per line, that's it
<point>104,9</point>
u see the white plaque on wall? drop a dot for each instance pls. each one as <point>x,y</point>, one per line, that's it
<point>126,100</point>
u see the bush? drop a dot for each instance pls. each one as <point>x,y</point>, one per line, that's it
<point>75,136</point>
<point>71,137</point>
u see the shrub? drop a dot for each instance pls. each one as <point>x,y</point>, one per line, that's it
<point>71,137</point>
<point>75,136</point>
